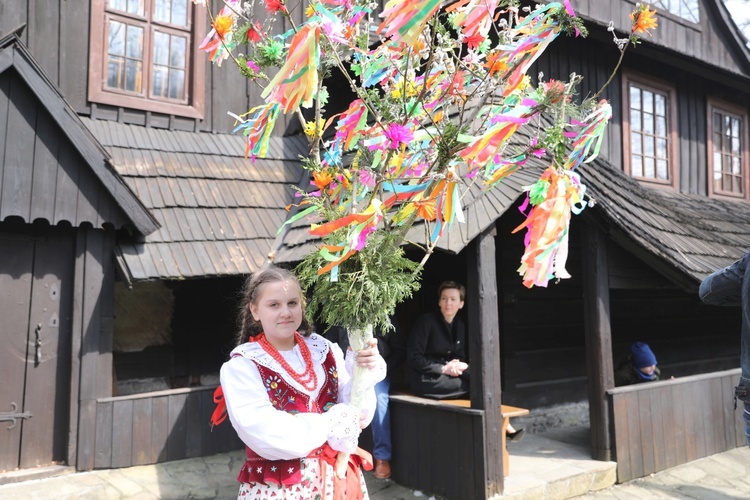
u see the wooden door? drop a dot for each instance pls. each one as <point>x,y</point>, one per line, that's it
<point>35,330</point>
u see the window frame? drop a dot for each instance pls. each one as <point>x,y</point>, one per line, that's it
<point>195,84</point>
<point>673,160</point>
<point>673,15</point>
<point>727,108</point>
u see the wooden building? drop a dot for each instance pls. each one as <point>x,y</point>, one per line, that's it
<point>129,217</point>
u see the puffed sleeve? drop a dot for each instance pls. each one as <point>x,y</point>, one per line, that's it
<point>271,433</point>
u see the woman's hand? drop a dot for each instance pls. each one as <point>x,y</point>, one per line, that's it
<point>454,368</point>
<point>370,356</point>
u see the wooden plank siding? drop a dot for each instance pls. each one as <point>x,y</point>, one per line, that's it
<point>423,430</point>
<point>662,424</point>
<point>542,332</point>
<point>159,426</point>
<point>43,175</point>
<point>594,61</point>
<point>703,41</point>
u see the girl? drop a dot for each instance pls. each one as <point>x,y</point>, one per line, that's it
<point>286,397</point>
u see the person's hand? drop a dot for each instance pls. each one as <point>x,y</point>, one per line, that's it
<point>369,357</point>
<point>454,368</point>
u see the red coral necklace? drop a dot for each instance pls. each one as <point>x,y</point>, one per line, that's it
<point>307,379</point>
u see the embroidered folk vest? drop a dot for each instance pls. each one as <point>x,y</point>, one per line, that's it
<point>286,398</point>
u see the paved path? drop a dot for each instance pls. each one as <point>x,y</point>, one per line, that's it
<point>721,476</point>
<point>541,468</point>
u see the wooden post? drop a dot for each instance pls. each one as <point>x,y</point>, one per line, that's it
<point>598,331</point>
<point>484,353</point>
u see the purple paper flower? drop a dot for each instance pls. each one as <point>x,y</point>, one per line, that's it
<point>397,135</point>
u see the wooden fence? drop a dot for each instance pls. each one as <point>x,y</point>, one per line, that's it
<point>658,425</point>
<point>437,447</point>
<point>159,426</point>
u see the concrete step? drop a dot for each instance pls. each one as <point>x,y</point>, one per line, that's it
<point>542,467</point>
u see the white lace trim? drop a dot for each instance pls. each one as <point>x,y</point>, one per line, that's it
<point>344,428</point>
<point>319,348</point>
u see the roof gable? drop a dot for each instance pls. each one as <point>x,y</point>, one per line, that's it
<point>53,168</point>
<point>715,41</point>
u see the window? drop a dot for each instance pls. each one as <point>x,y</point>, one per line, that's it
<point>143,55</point>
<point>650,140</point>
<point>686,9</point>
<point>727,150</point>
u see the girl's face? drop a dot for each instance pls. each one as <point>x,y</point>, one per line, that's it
<point>278,308</point>
<point>450,303</point>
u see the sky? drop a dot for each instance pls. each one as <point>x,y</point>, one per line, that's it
<point>740,10</point>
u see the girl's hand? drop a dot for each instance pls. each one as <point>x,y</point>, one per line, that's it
<point>369,357</point>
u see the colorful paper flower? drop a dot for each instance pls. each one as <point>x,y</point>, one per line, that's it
<point>255,32</point>
<point>322,178</point>
<point>644,19</point>
<point>426,209</point>
<point>397,134</point>
<point>274,6</point>
<point>311,130</point>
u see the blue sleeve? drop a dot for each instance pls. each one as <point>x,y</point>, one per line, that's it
<point>724,287</point>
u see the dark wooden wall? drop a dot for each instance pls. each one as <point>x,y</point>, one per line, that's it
<point>57,33</point>
<point>663,424</point>
<point>595,61</point>
<point>542,331</point>
<point>157,427</point>
<point>91,374</point>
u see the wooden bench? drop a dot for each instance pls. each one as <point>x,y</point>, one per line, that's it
<point>438,444</point>
<point>507,412</point>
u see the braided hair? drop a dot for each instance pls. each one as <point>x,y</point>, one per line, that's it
<point>248,326</point>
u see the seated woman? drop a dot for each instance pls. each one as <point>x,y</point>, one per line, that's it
<point>436,350</point>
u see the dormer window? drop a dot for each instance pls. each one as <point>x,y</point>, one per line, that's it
<point>686,9</point>
<point>143,55</point>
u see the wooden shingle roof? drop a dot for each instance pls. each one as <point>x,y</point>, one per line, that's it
<point>219,212</point>
<point>685,237</point>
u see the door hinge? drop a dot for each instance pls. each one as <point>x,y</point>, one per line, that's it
<point>13,416</point>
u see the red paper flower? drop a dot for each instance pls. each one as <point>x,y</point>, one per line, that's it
<point>274,6</point>
<point>255,33</point>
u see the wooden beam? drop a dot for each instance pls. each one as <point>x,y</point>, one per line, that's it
<point>596,310</point>
<point>484,354</point>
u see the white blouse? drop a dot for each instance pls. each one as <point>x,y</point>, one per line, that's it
<point>278,435</point>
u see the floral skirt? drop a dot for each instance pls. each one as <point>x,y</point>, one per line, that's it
<point>315,485</point>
